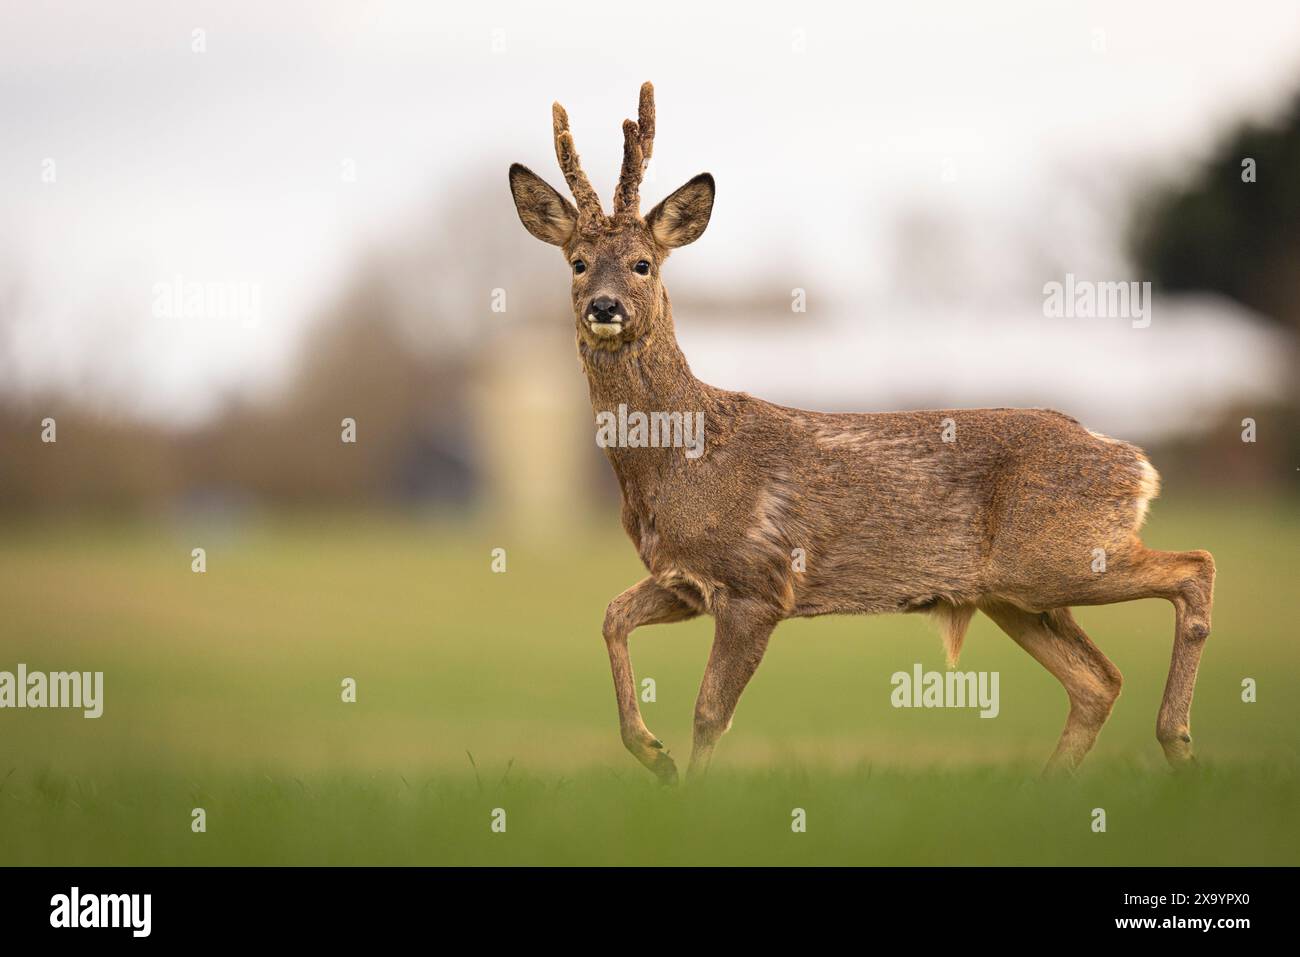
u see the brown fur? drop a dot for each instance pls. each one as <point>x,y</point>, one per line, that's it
<point>1005,517</point>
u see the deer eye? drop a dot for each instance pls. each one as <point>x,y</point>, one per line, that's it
<point>642,268</point>
<point>579,266</point>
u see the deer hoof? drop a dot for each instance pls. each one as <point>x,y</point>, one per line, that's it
<point>664,769</point>
<point>1178,752</point>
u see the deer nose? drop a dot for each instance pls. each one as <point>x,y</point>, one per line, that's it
<point>604,308</point>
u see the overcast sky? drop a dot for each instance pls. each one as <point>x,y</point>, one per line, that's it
<point>821,125</point>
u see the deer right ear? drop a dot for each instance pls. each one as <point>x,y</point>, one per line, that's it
<point>544,212</point>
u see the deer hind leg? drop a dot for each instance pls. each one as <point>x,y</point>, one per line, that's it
<point>1193,599</point>
<point>739,641</point>
<point>645,603</point>
<point>1091,681</point>
<point>1186,580</point>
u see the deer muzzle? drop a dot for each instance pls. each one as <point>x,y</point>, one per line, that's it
<point>605,316</point>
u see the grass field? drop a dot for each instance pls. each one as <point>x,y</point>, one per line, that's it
<point>223,692</point>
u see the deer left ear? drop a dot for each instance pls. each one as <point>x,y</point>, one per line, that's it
<point>681,218</point>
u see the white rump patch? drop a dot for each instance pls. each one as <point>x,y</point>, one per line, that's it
<point>1148,488</point>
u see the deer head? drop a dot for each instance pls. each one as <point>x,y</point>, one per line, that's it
<point>616,260</point>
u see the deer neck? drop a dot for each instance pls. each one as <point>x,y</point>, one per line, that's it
<point>648,375</point>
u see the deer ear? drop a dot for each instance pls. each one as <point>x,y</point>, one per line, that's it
<point>680,219</point>
<point>544,212</point>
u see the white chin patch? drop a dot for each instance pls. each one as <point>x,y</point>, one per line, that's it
<point>604,329</point>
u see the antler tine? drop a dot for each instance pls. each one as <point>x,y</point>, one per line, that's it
<point>646,120</point>
<point>627,198</point>
<point>589,211</point>
<point>638,144</point>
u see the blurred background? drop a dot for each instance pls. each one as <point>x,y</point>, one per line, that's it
<point>226,227</point>
<point>337,171</point>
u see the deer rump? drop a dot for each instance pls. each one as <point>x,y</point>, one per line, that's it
<point>936,511</point>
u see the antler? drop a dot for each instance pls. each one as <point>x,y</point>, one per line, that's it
<point>638,144</point>
<point>589,211</point>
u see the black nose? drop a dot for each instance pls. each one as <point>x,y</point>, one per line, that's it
<point>604,309</point>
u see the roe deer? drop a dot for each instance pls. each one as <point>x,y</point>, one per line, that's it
<point>1005,518</point>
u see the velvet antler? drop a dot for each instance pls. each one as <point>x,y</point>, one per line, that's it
<point>638,144</point>
<point>589,211</point>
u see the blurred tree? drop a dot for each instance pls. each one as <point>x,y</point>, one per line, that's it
<point>1222,233</point>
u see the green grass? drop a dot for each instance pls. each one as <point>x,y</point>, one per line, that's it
<point>222,692</point>
<point>1001,815</point>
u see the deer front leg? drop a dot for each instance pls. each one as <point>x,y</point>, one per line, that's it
<point>645,603</point>
<point>739,641</point>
